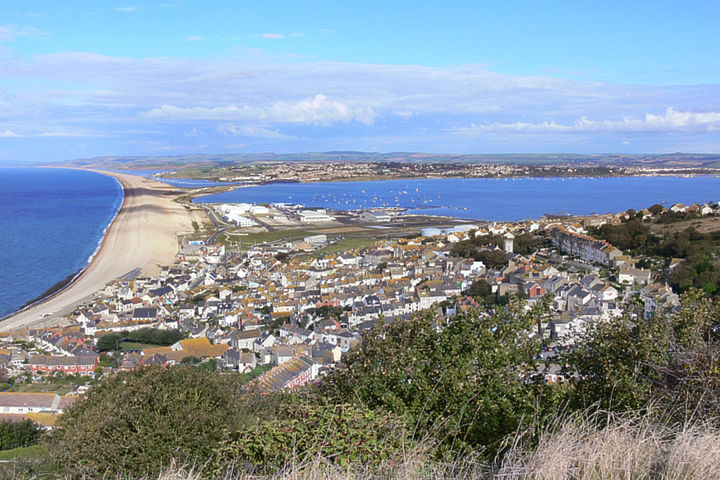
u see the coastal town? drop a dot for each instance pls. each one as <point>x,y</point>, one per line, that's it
<point>264,172</point>
<point>285,312</point>
<point>378,241</point>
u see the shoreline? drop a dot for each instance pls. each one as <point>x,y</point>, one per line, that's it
<point>68,281</point>
<point>49,293</point>
<point>148,216</point>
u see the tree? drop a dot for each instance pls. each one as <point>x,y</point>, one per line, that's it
<point>110,342</point>
<point>495,259</point>
<point>482,291</point>
<point>526,244</point>
<point>155,336</point>
<point>211,365</point>
<point>656,209</point>
<point>19,434</point>
<point>480,288</point>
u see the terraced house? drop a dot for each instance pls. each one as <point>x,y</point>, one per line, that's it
<point>584,247</point>
<point>68,365</point>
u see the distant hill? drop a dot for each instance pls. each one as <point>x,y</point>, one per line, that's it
<point>674,160</point>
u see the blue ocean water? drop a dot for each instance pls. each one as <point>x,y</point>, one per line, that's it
<point>501,199</point>
<point>51,223</point>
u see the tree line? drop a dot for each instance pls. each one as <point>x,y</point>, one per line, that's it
<point>147,335</point>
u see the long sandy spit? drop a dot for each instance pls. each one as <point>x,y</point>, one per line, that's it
<point>142,236</point>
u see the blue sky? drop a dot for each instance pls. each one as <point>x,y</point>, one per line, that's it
<point>82,79</point>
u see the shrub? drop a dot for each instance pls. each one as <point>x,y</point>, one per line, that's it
<point>467,383</point>
<point>137,423</point>
<point>344,435</point>
<point>668,360</point>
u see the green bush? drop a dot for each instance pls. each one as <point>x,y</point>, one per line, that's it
<point>468,383</point>
<point>668,361</point>
<point>339,434</point>
<point>136,423</point>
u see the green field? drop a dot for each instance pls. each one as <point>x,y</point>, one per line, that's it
<point>34,451</point>
<point>347,244</point>
<point>127,346</point>
<point>255,238</point>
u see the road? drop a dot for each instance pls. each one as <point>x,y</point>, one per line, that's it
<point>220,226</point>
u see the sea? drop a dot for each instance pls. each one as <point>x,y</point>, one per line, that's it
<point>494,199</point>
<point>52,222</point>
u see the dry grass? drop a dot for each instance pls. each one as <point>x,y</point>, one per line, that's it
<point>702,225</point>
<point>632,448</point>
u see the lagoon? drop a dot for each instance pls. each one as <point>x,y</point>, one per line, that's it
<point>495,199</point>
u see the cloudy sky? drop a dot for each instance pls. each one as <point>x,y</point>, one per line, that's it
<point>89,78</point>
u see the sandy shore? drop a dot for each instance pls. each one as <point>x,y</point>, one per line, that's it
<point>143,235</point>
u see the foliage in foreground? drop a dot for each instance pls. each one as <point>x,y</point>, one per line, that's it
<point>670,361</point>
<point>420,390</point>
<point>626,447</point>
<point>573,448</point>
<point>136,423</point>
<point>342,435</point>
<point>465,385</point>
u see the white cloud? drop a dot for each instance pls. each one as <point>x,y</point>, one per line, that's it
<point>271,36</point>
<point>58,133</point>
<point>126,9</point>
<point>232,130</point>
<point>64,134</point>
<point>195,38</point>
<point>194,132</point>
<point>318,110</point>
<point>413,106</point>
<point>670,121</point>
<point>9,33</point>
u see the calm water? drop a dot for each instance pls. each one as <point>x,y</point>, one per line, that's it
<point>485,198</point>
<point>51,223</point>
